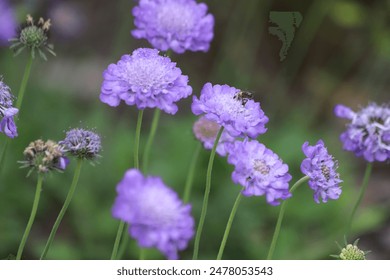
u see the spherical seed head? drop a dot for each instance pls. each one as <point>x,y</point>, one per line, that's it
<point>84,144</point>
<point>33,36</point>
<point>352,252</point>
<point>44,156</point>
<point>7,111</point>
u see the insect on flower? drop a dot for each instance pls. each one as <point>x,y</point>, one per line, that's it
<point>243,96</point>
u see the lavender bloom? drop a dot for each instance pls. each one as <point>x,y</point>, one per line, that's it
<point>220,104</point>
<point>7,22</point>
<point>368,133</point>
<point>321,168</point>
<point>156,215</point>
<point>259,170</point>
<point>179,25</point>
<point>84,144</point>
<point>145,79</point>
<point>206,131</point>
<point>7,111</point>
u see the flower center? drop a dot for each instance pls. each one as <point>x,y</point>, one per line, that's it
<point>206,129</point>
<point>325,171</point>
<point>261,166</point>
<point>176,18</point>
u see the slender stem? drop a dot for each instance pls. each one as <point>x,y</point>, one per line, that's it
<point>32,217</point>
<point>363,188</point>
<point>142,254</point>
<point>149,142</point>
<point>137,138</point>
<point>206,196</point>
<point>117,240</point>
<point>64,208</point>
<point>23,85</point>
<point>228,226</point>
<point>124,243</point>
<point>121,226</point>
<point>191,172</point>
<point>280,218</point>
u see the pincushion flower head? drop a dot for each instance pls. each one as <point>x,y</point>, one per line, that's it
<point>206,131</point>
<point>224,105</point>
<point>259,170</point>
<point>321,169</point>
<point>368,133</point>
<point>81,143</point>
<point>154,212</point>
<point>145,79</point>
<point>7,22</point>
<point>34,37</point>
<point>7,111</point>
<point>179,25</point>
<point>44,157</point>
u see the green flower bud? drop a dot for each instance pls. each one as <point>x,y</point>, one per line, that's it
<point>352,252</point>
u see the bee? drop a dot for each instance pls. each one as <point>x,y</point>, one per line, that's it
<point>243,96</point>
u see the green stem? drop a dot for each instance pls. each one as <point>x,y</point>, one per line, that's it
<point>149,142</point>
<point>32,217</point>
<point>206,196</point>
<point>137,139</point>
<point>191,172</point>
<point>23,85</point>
<point>124,243</point>
<point>280,218</point>
<point>64,208</point>
<point>121,226</point>
<point>142,254</point>
<point>228,226</point>
<point>3,152</point>
<point>363,188</point>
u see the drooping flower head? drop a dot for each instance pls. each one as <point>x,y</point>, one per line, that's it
<point>179,25</point>
<point>222,104</point>
<point>156,215</point>
<point>7,22</point>
<point>81,143</point>
<point>206,131</point>
<point>7,111</point>
<point>145,79</point>
<point>321,169</point>
<point>259,170</point>
<point>34,37</point>
<point>44,157</point>
<point>368,133</point>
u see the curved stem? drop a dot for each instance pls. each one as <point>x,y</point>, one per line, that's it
<point>32,217</point>
<point>206,196</point>
<point>228,226</point>
<point>191,172</point>
<point>280,218</point>
<point>23,85</point>
<point>124,243</point>
<point>64,208</point>
<point>137,138</point>
<point>118,237</point>
<point>149,142</point>
<point>363,188</point>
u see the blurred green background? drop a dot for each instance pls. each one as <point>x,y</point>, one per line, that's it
<point>340,54</point>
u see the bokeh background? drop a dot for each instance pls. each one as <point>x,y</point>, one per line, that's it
<point>340,54</point>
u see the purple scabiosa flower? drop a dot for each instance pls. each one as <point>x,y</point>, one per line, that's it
<point>259,170</point>
<point>81,143</point>
<point>321,167</point>
<point>206,131</point>
<point>7,111</point>
<point>368,133</point>
<point>7,22</point>
<point>156,215</point>
<point>145,79</point>
<point>44,157</point>
<point>179,25</point>
<point>222,104</point>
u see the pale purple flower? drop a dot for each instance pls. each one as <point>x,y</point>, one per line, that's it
<point>206,131</point>
<point>240,118</point>
<point>8,23</point>
<point>179,25</point>
<point>154,212</point>
<point>7,111</point>
<point>368,133</point>
<point>321,169</point>
<point>145,79</point>
<point>84,144</point>
<point>259,170</point>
